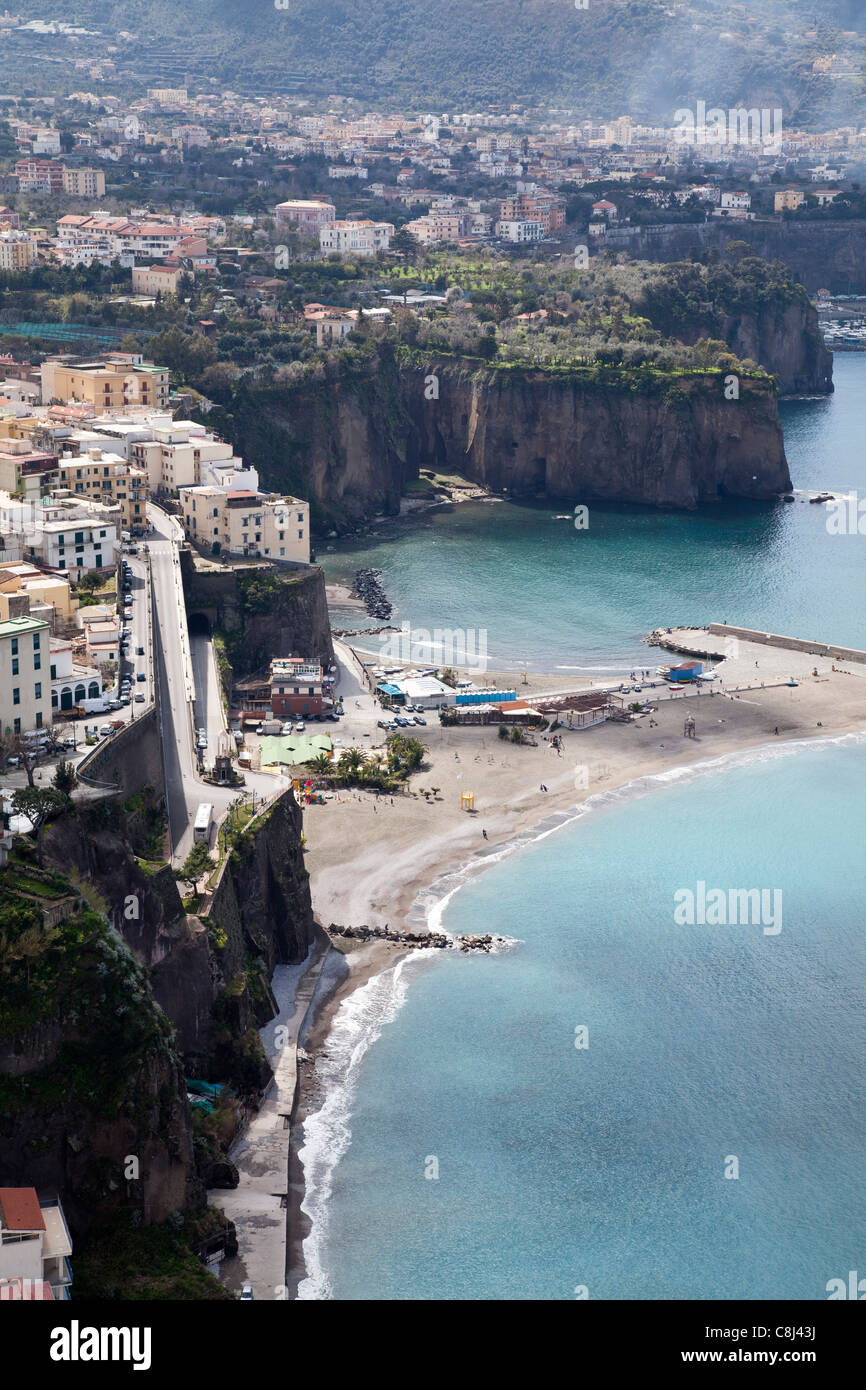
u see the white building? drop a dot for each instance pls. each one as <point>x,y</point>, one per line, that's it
<point>360,238</point>
<point>519,231</point>
<point>35,1247</point>
<point>71,683</point>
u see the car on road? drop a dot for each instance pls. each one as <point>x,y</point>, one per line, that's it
<point>141,676</point>
<point>125,700</point>
<point>105,730</point>
<point>246,1293</point>
<point>114,704</point>
<point>139,699</point>
<point>139,651</point>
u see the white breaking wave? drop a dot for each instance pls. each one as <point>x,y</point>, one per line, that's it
<point>357,1024</point>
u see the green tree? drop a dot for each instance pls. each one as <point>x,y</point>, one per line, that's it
<point>65,778</point>
<point>197,862</point>
<point>39,805</point>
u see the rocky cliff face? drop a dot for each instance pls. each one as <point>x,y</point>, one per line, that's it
<point>792,341</point>
<point>261,612</point>
<point>579,440</point>
<point>134,995</point>
<point>260,916</point>
<point>618,436</point>
<point>820,254</point>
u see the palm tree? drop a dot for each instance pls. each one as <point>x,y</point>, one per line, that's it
<point>352,760</point>
<point>322,763</point>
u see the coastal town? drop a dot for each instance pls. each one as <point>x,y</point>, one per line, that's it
<point>410,518</point>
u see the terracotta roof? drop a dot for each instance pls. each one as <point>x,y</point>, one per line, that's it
<point>20,1208</point>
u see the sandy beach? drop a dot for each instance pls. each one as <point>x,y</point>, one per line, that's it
<point>381,861</point>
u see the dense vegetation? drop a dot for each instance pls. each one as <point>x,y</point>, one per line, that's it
<point>645,56</point>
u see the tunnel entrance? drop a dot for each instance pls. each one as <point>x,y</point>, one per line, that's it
<point>199,625</point>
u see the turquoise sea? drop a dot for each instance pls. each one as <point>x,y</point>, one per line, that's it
<point>553,597</point>
<point>467,1149</point>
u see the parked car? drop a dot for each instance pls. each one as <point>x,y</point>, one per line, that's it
<point>139,699</point>
<point>401,722</point>
<point>114,704</point>
<point>105,730</point>
<point>246,1293</point>
<point>419,719</point>
<point>125,700</point>
<point>288,729</point>
<point>300,726</point>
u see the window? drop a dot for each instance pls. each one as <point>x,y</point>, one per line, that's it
<point>37,690</point>
<point>62,565</point>
<point>300,535</point>
<point>39,719</point>
<point>37,661</point>
<point>16,726</point>
<point>16,695</point>
<point>15,666</point>
<point>53,673</point>
<point>14,646</point>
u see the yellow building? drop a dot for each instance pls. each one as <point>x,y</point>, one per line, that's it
<point>84,183</point>
<point>24,580</point>
<point>106,385</point>
<point>155,279</point>
<point>18,426</point>
<point>106,478</point>
<point>243,522</point>
<point>18,250</point>
<point>788,199</point>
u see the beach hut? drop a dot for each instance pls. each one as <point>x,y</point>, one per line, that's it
<point>686,671</point>
<point>467,801</point>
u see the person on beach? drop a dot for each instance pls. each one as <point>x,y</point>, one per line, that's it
<point>484,833</point>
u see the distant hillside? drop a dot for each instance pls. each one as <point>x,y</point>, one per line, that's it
<point>647,57</point>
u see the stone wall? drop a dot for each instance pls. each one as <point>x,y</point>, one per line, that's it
<point>794,644</point>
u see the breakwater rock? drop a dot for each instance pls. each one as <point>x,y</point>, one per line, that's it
<point>368,586</point>
<point>435,941</point>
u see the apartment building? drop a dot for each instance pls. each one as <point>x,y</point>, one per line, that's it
<point>25,589</point>
<point>121,237</point>
<point>546,208</point>
<point>244,522</point>
<point>109,384</point>
<point>296,687</point>
<point>18,250</point>
<point>107,478</point>
<point>35,1247</point>
<point>25,676</point>
<point>182,453</point>
<point>308,214</point>
<point>518,231</point>
<point>168,96</point>
<point>68,535</point>
<point>26,471</point>
<point>155,279</point>
<point>437,227</point>
<point>83,183</point>
<point>39,175</point>
<point>356,238</point>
